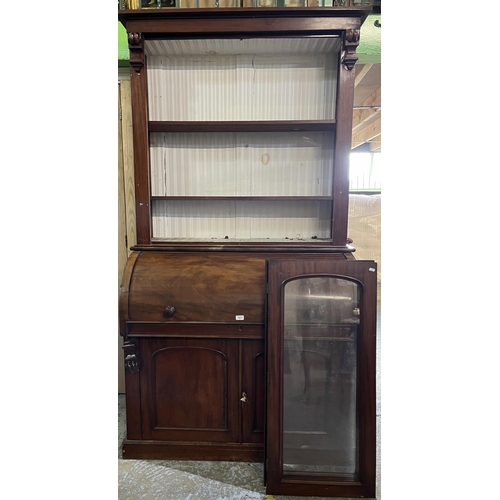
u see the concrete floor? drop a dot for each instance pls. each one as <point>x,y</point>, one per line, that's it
<point>204,480</point>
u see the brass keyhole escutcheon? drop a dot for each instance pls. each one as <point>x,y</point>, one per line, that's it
<point>243,398</point>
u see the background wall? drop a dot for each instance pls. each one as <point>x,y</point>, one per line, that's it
<point>126,197</point>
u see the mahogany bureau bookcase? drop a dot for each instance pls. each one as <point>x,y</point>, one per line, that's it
<point>248,325</point>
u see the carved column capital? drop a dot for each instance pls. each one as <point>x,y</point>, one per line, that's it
<point>351,42</point>
<point>136,48</point>
<point>132,359</point>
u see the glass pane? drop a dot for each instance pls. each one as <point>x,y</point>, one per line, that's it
<point>157,4</point>
<point>320,351</point>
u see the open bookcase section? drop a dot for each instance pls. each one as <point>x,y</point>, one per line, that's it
<point>241,164</point>
<point>249,79</point>
<point>226,220</point>
<point>242,81</point>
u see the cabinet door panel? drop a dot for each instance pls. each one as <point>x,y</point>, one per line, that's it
<point>190,386</point>
<point>189,389</point>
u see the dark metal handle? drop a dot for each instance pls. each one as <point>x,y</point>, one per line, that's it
<point>169,311</point>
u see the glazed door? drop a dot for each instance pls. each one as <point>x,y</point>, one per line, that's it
<point>321,367</point>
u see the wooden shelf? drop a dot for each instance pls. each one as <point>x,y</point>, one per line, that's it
<point>258,245</point>
<point>243,126</point>
<point>238,241</point>
<point>242,198</point>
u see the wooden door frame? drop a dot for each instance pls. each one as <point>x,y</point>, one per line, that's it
<point>364,273</point>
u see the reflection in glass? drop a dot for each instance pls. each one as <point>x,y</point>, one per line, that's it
<point>320,350</point>
<point>157,4</point>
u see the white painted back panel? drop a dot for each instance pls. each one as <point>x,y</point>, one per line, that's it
<point>241,164</point>
<point>242,220</point>
<point>230,80</point>
<point>248,46</point>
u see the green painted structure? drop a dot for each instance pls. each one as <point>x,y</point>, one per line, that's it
<point>368,50</point>
<point>123,53</point>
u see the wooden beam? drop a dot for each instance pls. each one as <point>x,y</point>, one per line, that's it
<point>362,116</point>
<point>367,133</point>
<point>364,71</point>
<point>128,163</point>
<point>376,143</point>
<point>374,99</point>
